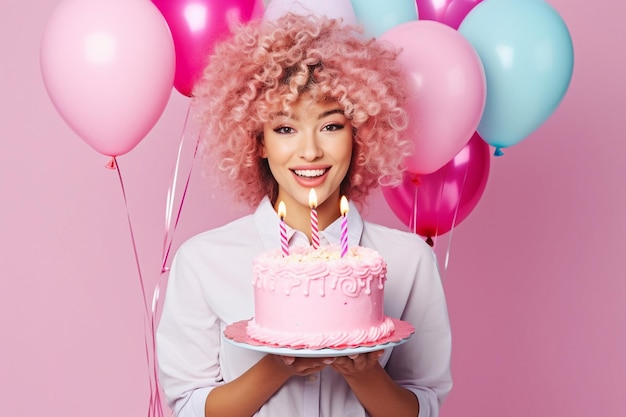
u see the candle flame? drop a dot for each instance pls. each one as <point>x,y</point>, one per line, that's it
<point>282,210</point>
<point>312,198</point>
<point>343,205</point>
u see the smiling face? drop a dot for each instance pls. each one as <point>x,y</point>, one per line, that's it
<point>311,148</point>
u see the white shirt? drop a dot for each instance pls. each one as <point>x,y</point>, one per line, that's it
<point>210,286</point>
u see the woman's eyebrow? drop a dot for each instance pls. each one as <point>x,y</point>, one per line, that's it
<point>329,112</point>
<point>320,116</point>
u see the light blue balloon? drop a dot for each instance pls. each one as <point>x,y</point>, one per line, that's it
<point>377,16</point>
<point>528,57</point>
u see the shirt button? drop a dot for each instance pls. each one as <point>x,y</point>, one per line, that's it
<point>312,378</point>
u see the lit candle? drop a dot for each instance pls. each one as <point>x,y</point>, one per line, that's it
<point>284,243</point>
<point>343,206</point>
<point>315,237</point>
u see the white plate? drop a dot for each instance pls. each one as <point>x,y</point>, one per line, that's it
<point>315,353</point>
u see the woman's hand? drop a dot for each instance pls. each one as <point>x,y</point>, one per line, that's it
<point>302,366</point>
<point>374,388</point>
<point>356,365</point>
<point>350,366</point>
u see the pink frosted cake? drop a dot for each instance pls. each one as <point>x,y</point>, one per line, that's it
<point>314,299</point>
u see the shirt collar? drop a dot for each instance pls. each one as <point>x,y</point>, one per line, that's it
<point>268,226</point>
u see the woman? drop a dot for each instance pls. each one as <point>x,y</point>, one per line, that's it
<point>286,106</point>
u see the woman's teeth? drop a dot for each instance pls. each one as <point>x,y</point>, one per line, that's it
<point>309,173</point>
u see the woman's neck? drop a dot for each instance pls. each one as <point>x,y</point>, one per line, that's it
<point>299,216</point>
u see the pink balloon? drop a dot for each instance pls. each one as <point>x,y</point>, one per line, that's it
<point>108,66</point>
<point>445,91</point>
<point>443,199</point>
<point>450,12</point>
<point>196,25</point>
<point>330,8</point>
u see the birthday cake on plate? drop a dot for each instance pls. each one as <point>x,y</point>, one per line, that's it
<point>315,298</point>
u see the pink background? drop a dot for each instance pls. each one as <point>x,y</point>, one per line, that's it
<point>536,279</point>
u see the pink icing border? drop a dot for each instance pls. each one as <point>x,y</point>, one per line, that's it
<point>237,332</point>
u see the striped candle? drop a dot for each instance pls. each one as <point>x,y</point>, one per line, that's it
<point>315,234</point>
<point>343,205</point>
<point>284,243</point>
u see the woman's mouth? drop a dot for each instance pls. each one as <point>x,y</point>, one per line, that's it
<point>311,178</point>
<point>310,173</point>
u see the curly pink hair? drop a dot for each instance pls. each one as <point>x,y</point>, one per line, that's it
<point>265,67</point>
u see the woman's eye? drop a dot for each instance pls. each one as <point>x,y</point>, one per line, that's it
<point>333,126</point>
<point>283,130</point>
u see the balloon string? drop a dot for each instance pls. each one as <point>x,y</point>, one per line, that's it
<point>155,403</point>
<point>171,193</point>
<point>155,407</point>
<point>456,212</point>
<point>414,215</point>
<point>441,189</point>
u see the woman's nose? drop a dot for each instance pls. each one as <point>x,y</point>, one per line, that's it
<point>310,148</point>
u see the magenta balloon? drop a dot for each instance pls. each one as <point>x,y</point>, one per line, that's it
<point>108,66</point>
<point>196,25</point>
<point>446,197</point>
<point>450,12</point>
